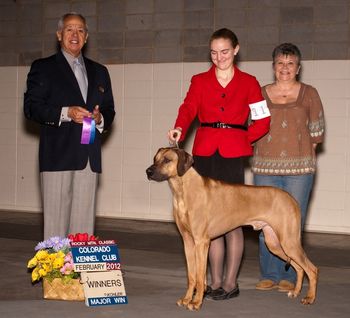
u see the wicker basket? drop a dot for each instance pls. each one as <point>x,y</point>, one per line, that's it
<point>63,290</point>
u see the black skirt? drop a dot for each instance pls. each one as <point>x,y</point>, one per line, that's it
<point>217,167</point>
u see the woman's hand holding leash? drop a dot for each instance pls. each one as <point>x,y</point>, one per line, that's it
<point>174,136</point>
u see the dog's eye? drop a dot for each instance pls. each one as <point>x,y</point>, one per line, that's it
<point>166,160</point>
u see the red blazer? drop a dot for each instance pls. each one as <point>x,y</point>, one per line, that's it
<point>210,102</point>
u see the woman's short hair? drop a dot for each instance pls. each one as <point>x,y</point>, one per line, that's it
<point>224,34</point>
<point>68,15</point>
<point>286,49</point>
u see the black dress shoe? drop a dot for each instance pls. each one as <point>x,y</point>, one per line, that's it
<point>222,294</point>
<point>209,292</point>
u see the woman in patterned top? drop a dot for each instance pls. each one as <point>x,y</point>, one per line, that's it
<point>286,156</point>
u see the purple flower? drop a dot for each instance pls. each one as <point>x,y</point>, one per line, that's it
<point>56,243</point>
<point>61,244</point>
<point>40,246</point>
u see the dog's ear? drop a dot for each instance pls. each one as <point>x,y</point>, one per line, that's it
<point>184,162</point>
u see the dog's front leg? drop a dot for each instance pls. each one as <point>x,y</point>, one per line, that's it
<point>201,252</point>
<point>191,269</point>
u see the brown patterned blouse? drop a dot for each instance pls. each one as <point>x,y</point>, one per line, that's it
<point>287,149</point>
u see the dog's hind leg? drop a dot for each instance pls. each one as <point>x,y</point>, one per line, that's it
<point>299,283</point>
<point>291,251</point>
<point>272,242</point>
<point>293,248</point>
<point>312,273</point>
<point>302,264</point>
<point>274,245</point>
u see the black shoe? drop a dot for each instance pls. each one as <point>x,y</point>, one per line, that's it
<point>222,294</point>
<point>209,292</point>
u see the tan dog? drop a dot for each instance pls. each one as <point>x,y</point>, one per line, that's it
<point>205,209</point>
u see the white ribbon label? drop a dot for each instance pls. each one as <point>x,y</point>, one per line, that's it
<point>259,110</point>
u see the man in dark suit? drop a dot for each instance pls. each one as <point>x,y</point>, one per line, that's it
<point>70,96</point>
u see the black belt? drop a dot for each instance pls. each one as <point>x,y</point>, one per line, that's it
<point>223,125</point>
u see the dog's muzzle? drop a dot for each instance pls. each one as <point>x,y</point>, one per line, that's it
<point>153,174</point>
<point>150,172</point>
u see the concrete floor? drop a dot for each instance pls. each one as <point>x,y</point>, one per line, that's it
<point>152,257</point>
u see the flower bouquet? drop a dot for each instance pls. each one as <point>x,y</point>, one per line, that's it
<point>53,262</point>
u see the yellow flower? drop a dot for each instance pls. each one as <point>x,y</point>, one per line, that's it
<point>58,263</point>
<point>35,274</point>
<point>33,262</point>
<point>41,255</point>
<point>60,254</point>
<point>42,272</point>
<point>52,257</point>
<point>47,267</point>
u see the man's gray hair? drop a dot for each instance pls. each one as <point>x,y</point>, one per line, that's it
<point>68,15</point>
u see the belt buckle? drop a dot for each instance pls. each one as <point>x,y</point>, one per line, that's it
<point>221,125</point>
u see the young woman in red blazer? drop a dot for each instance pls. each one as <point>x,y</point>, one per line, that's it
<point>224,99</point>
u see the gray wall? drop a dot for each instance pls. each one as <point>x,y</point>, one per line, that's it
<point>155,31</point>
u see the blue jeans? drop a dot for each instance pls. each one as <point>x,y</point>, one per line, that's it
<point>299,186</point>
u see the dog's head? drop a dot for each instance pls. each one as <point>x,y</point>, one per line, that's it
<point>169,162</point>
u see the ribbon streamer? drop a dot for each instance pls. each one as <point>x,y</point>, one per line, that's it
<point>88,131</point>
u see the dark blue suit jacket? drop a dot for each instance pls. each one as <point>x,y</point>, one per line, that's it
<point>51,85</point>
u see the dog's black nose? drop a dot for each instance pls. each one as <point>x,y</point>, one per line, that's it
<point>149,172</point>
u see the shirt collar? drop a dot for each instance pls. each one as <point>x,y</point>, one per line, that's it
<point>70,58</point>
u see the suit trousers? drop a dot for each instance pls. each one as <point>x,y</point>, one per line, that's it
<point>69,201</point>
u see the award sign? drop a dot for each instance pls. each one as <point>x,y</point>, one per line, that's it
<point>95,256</point>
<point>99,265</point>
<point>104,288</point>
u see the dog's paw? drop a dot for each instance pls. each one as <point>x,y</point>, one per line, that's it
<point>292,294</point>
<point>194,306</point>
<point>183,302</point>
<point>308,300</point>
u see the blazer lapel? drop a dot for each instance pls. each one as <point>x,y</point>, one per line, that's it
<point>90,70</point>
<point>233,87</point>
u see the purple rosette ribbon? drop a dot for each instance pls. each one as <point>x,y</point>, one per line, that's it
<point>88,131</point>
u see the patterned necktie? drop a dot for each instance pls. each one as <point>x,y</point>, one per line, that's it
<point>81,78</point>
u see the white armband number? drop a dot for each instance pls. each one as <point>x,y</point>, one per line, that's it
<point>259,110</point>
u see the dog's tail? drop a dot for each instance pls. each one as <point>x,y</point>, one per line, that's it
<point>286,267</point>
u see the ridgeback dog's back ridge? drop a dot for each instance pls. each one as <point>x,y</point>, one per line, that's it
<point>205,208</point>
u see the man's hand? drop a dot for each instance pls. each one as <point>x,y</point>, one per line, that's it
<point>77,113</point>
<point>97,115</point>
